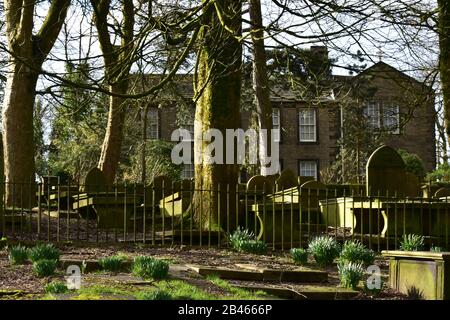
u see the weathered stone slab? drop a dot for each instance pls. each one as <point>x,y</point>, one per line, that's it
<point>298,275</point>
<point>385,173</point>
<point>287,179</point>
<point>305,292</point>
<point>423,271</point>
<point>94,181</point>
<point>226,273</point>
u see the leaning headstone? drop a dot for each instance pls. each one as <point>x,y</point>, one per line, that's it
<point>287,179</point>
<point>256,184</point>
<point>162,185</point>
<point>412,185</point>
<point>270,182</point>
<point>94,181</point>
<point>314,185</point>
<point>385,173</point>
<point>442,193</point>
<point>302,180</point>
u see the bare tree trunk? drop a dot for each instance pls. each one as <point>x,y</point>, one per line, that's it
<point>444,59</point>
<point>218,107</point>
<point>28,51</point>
<point>18,142</point>
<point>261,83</point>
<point>117,68</point>
<point>112,144</point>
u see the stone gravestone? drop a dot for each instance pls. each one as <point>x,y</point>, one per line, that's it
<point>442,193</point>
<point>412,185</point>
<point>94,181</point>
<point>385,173</point>
<point>162,186</point>
<point>270,182</point>
<point>302,180</point>
<point>287,179</point>
<point>256,183</point>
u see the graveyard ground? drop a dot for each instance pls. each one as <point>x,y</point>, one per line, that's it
<point>19,281</point>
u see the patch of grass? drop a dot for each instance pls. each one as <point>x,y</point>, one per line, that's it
<point>238,293</point>
<point>355,251</point>
<point>245,241</point>
<point>437,249</point>
<point>56,287</point>
<point>17,254</point>
<point>154,295</point>
<point>350,274</point>
<point>299,255</point>
<point>324,249</point>
<point>43,252</point>
<point>179,289</point>
<point>113,263</point>
<point>412,242</point>
<point>150,268</point>
<point>44,267</point>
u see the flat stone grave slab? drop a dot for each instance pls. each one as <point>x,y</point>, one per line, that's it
<point>227,273</point>
<point>303,292</point>
<point>254,273</point>
<point>304,275</point>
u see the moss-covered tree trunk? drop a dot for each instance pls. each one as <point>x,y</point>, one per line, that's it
<point>27,51</point>
<point>261,84</point>
<point>218,84</point>
<point>117,68</point>
<point>112,143</point>
<point>444,60</point>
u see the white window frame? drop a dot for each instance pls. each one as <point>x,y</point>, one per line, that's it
<point>276,124</point>
<point>306,172</point>
<point>372,112</point>
<point>153,124</point>
<point>394,114</point>
<point>312,123</point>
<point>188,171</point>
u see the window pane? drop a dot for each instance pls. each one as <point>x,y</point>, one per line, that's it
<point>153,124</point>
<point>391,119</point>
<point>372,113</point>
<point>308,169</point>
<point>188,171</point>
<point>307,125</point>
<point>276,124</point>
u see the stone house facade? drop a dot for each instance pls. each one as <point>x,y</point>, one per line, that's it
<point>309,133</point>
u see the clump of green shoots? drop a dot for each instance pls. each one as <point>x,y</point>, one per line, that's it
<point>412,242</point>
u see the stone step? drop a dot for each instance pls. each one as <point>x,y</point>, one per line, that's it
<point>253,273</point>
<point>305,292</point>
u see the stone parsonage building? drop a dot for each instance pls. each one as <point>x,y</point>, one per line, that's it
<point>398,104</point>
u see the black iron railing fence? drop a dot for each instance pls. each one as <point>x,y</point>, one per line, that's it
<point>165,215</point>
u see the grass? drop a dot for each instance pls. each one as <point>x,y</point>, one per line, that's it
<point>355,251</point>
<point>324,249</point>
<point>299,255</point>
<point>350,274</point>
<point>44,268</point>
<point>56,287</point>
<point>412,242</point>
<point>113,263</point>
<point>146,267</point>
<point>18,254</point>
<point>43,252</point>
<point>245,241</point>
<point>238,293</point>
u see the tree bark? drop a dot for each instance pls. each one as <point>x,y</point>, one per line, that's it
<point>444,60</point>
<point>28,51</point>
<point>112,144</point>
<point>117,69</point>
<point>218,85</point>
<point>261,83</point>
